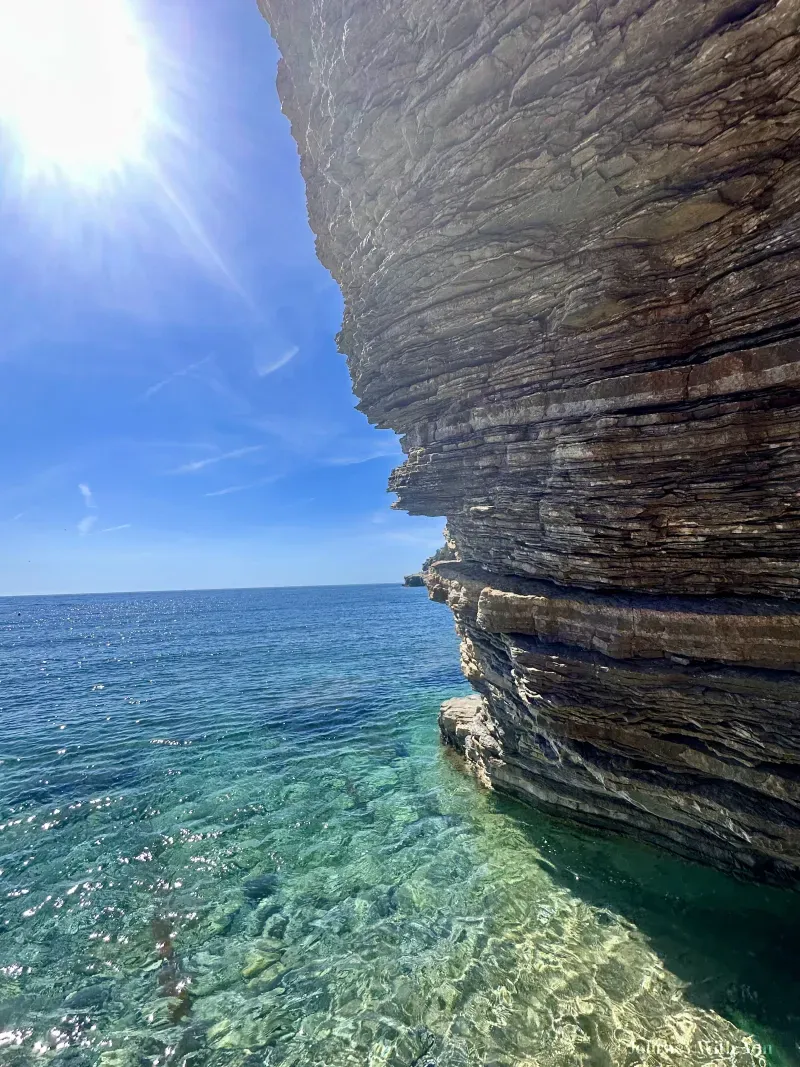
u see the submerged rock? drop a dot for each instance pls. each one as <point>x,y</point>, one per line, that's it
<point>256,962</point>
<point>88,998</point>
<point>261,887</point>
<point>565,233</point>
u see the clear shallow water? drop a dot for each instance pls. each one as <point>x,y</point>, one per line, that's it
<point>228,836</point>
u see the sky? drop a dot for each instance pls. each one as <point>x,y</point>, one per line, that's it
<point>173,409</point>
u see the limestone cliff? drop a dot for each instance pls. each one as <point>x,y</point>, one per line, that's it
<point>568,237</point>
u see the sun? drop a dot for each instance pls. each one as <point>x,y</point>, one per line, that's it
<point>75,90</point>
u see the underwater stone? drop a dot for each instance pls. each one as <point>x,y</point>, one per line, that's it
<point>261,887</point>
<point>116,1058</point>
<point>94,996</point>
<point>256,962</point>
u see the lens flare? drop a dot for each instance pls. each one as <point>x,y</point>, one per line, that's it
<point>75,91</point>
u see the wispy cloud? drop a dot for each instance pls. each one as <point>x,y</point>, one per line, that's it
<point>330,444</point>
<point>184,372</point>
<point>85,525</point>
<point>301,434</point>
<point>113,529</point>
<point>88,521</point>
<point>201,464</point>
<point>269,367</point>
<point>240,488</point>
<point>230,489</point>
<point>86,493</point>
<point>400,536</point>
<point>389,450</point>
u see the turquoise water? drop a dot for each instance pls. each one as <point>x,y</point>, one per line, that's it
<point>228,836</point>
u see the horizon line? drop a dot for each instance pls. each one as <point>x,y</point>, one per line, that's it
<point>206,589</point>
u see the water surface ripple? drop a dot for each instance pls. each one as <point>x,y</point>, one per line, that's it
<point>228,836</point>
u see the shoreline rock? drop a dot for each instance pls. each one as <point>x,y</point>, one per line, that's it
<point>414,580</point>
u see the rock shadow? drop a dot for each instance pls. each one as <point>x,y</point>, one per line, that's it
<point>735,944</point>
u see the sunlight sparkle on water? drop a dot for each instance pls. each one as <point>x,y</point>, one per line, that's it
<point>74,85</point>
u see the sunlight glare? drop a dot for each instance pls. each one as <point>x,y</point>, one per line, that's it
<point>74,85</point>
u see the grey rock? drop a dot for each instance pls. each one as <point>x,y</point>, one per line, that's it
<point>566,233</point>
<point>261,887</point>
<point>88,998</point>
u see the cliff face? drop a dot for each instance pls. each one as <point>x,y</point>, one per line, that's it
<point>568,237</point>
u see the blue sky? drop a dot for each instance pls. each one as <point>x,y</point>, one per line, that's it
<point>173,410</point>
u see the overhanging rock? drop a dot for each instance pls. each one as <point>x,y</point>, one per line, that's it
<point>567,235</point>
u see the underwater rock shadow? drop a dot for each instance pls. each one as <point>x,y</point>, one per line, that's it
<point>735,944</point>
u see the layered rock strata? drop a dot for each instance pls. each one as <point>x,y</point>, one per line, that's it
<point>568,237</point>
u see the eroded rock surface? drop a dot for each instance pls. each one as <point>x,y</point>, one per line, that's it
<point>568,237</point>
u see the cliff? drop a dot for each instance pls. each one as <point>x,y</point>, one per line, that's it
<point>567,235</point>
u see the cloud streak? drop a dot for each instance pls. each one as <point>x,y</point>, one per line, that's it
<point>201,464</point>
<point>328,444</point>
<point>391,451</point>
<point>240,488</point>
<point>263,369</point>
<point>113,529</point>
<point>86,493</point>
<point>184,372</point>
<point>85,525</point>
<point>88,521</point>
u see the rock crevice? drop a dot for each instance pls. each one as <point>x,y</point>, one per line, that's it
<point>567,235</point>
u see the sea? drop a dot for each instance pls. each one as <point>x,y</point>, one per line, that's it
<point>229,836</point>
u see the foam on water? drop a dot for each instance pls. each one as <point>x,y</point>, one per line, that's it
<point>228,836</point>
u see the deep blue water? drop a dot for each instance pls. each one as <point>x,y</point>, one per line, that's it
<point>228,836</point>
